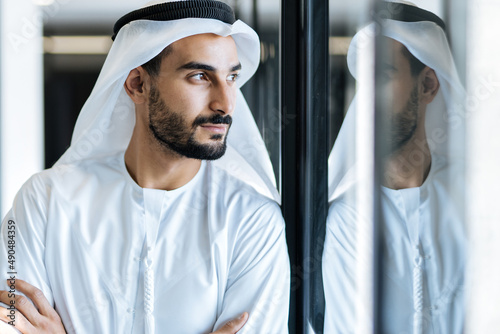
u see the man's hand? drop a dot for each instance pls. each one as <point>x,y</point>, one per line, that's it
<point>233,326</point>
<point>40,318</point>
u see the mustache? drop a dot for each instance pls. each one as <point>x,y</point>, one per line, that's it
<point>215,119</point>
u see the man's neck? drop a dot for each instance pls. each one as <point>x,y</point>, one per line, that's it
<point>409,166</point>
<point>151,165</point>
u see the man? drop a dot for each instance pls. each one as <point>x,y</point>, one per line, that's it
<point>137,228</point>
<point>421,194</point>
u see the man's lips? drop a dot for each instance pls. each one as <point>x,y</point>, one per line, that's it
<point>218,128</point>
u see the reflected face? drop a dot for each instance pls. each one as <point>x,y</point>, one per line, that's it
<point>403,109</point>
<point>193,97</point>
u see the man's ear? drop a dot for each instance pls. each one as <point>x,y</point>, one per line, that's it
<point>135,85</point>
<point>429,85</point>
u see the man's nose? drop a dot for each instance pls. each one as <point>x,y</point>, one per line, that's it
<point>223,98</point>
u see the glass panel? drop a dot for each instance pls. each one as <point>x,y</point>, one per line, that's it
<point>421,173</point>
<point>395,247</point>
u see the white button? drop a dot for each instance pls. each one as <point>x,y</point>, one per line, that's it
<point>130,310</point>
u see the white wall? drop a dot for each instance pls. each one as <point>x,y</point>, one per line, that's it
<point>483,123</point>
<point>21,103</point>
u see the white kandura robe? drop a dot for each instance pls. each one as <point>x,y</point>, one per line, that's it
<point>427,216</point>
<point>216,249</point>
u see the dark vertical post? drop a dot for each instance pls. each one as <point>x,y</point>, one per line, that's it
<point>380,149</point>
<point>304,104</point>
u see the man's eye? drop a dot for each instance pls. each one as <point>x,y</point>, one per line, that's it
<point>199,76</point>
<point>233,77</point>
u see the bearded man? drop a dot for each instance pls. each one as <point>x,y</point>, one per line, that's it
<point>138,228</point>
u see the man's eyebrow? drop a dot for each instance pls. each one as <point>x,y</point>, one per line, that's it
<point>236,67</point>
<point>200,66</point>
<point>196,66</point>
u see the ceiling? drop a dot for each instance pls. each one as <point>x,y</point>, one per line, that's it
<point>61,15</point>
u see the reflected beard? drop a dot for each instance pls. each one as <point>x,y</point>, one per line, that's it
<point>171,131</point>
<point>404,124</point>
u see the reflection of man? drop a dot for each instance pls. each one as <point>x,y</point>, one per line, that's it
<point>422,225</point>
<point>133,230</point>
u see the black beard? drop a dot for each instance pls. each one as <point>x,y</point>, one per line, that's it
<point>171,131</point>
<point>404,124</point>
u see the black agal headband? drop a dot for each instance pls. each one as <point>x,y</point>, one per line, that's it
<point>202,9</point>
<point>406,13</point>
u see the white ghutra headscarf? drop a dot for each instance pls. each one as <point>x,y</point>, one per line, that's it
<point>107,119</point>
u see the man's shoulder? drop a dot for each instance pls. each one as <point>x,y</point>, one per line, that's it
<point>232,187</point>
<point>240,201</point>
<point>343,210</point>
<point>242,207</point>
<point>73,174</point>
<point>89,166</point>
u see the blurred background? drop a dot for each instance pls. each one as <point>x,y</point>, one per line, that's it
<point>51,52</point>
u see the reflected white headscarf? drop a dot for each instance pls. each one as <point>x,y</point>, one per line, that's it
<point>107,119</point>
<point>351,162</point>
<point>444,116</point>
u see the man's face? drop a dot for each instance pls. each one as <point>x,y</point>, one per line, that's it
<point>401,87</point>
<point>193,97</point>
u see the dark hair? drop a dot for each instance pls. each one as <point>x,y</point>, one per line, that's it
<point>152,67</point>
<point>416,66</point>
